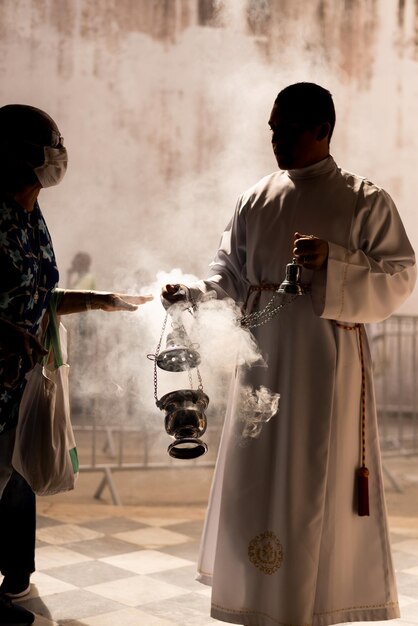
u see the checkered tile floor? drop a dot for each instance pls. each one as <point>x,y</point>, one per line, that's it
<point>123,566</point>
<point>114,566</point>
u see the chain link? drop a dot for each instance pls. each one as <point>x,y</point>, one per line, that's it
<point>199,378</point>
<point>258,318</point>
<point>155,355</point>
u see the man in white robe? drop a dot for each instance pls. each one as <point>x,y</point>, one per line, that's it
<point>283,543</point>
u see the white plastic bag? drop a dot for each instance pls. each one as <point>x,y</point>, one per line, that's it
<point>45,452</point>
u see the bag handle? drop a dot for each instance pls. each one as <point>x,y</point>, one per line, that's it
<point>52,339</point>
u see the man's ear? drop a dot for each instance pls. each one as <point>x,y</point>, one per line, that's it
<point>324,130</point>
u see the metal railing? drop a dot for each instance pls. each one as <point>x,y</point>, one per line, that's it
<point>115,448</point>
<point>393,344</point>
<point>135,439</point>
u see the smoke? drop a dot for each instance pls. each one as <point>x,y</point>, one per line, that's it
<point>256,408</point>
<point>165,131</point>
<point>125,383</point>
<point>222,341</point>
<point>109,352</point>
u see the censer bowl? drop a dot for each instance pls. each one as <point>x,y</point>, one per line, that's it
<point>185,420</point>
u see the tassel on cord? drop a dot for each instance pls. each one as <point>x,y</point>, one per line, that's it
<point>363,472</point>
<point>363,491</point>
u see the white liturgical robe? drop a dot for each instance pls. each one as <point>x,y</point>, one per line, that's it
<point>283,543</point>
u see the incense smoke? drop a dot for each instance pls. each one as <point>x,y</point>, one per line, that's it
<point>256,408</point>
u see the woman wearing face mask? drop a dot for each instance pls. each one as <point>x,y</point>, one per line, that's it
<point>32,157</point>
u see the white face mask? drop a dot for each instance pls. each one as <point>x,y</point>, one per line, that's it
<point>53,170</point>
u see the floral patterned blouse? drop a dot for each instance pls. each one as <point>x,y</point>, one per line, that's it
<point>28,275</point>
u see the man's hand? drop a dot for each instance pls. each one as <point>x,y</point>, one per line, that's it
<point>310,251</point>
<point>170,294</point>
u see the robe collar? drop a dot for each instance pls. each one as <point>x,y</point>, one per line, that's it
<point>317,169</point>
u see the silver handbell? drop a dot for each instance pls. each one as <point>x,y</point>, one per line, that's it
<point>292,284</point>
<point>179,354</point>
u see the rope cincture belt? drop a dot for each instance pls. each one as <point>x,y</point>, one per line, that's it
<point>362,472</point>
<point>258,289</point>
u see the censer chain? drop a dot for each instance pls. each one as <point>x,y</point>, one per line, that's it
<point>157,352</point>
<point>258,318</point>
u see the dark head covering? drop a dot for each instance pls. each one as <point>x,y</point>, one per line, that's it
<point>24,131</point>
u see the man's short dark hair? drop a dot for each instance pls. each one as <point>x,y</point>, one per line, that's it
<point>309,103</point>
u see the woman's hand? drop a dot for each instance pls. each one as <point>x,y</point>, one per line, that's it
<point>75,301</point>
<point>117,301</point>
<point>310,251</point>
